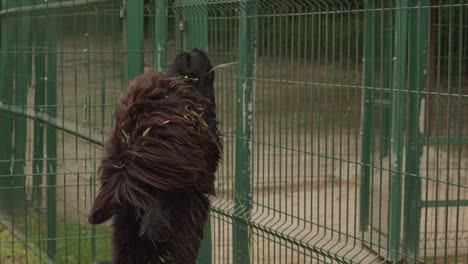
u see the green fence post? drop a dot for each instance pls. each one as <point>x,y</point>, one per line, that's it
<point>22,81</point>
<point>51,136</point>
<point>366,122</point>
<point>386,80</point>
<point>204,254</point>
<point>7,64</point>
<point>418,37</point>
<point>160,36</point>
<point>397,128</point>
<point>39,101</point>
<point>246,52</point>
<point>196,36</point>
<point>134,32</point>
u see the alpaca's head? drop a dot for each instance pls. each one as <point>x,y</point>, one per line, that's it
<point>196,65</point>
<point>162,149</point>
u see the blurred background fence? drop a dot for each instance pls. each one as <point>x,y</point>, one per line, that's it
<point>345,124</point>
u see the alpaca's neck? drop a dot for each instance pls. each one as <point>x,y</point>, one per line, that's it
<point>187,213</point>
<point>128,247</point>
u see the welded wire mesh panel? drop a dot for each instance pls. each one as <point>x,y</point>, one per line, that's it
<point>444,163</point>
<point>330,178</point>
<point>304,140</point>
<point>62,61</point>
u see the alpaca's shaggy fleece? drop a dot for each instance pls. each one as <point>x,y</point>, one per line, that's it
<point>159,165</point>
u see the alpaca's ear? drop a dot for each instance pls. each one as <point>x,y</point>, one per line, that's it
<point>103,208</point>
<point>180,65</point>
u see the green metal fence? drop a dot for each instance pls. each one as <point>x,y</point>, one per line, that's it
<point>345,124</point>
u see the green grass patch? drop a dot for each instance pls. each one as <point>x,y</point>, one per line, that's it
<point>75,242</point>
<point>14,250</point>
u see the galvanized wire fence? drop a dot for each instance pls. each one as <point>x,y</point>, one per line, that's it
<point>344,123</point>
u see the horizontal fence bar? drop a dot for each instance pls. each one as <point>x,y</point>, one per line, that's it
<point>444,203</point>
<point>48,6</point>
<point>445,140</point>
<point>67,127</point>
<point>313,3</point>
<point>306,245</point>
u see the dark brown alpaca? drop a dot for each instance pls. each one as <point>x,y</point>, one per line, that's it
<point>159,164</point>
